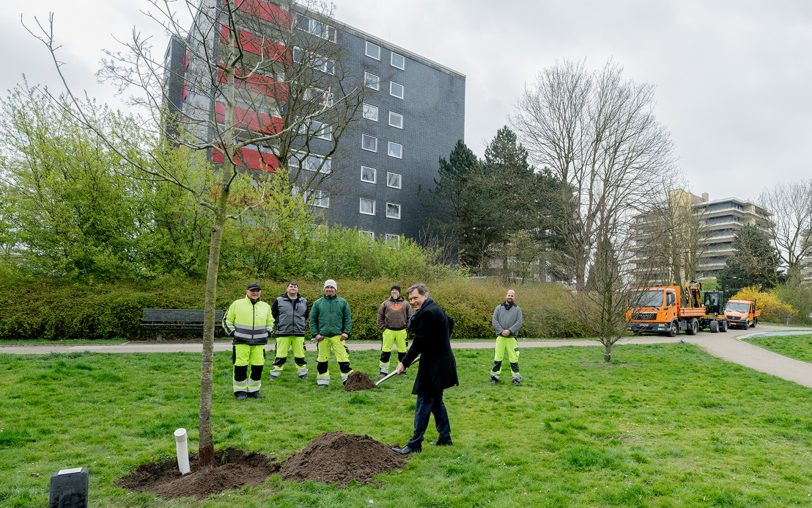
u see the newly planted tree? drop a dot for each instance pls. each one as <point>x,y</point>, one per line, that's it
<point>257,85</point>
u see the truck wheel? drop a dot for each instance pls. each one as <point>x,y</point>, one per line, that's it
<point>755,322</point>
<point>693,327</point>
<point>673,330</point>
<point>714,326</point>
<point>722,326</point>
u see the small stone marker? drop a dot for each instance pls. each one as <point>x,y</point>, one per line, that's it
<point>69,488</point>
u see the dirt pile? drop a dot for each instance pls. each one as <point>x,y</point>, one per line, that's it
<point>338,458</point>
<point>233,469</point>
<point>358,381</point>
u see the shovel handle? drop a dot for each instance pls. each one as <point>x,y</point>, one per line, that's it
<point>393,374</point>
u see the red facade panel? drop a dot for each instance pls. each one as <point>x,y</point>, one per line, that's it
<point>256,45</point>
<point>251,120</point>
<point>265,11</point>
<point>252,158</point>
<point>257,83</point>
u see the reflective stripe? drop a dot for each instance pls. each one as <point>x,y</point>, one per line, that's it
<point>323,379</point>
<point>275,373</point>
<point>251,335</point>
<point>253,386</point>
<point>345,376</point>
<point>240,386</point>
<point>302,371</point>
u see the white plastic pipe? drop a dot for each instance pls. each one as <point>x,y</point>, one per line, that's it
<point>182,448</point>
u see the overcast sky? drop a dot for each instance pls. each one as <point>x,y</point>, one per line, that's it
<point>733,78</point>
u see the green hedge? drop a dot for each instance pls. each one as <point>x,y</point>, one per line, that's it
<point>38,308</point>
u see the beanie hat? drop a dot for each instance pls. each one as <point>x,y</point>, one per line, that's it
<point>395,286</point>
<point>330,282</point>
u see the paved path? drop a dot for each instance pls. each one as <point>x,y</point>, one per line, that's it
<point>727,346</point>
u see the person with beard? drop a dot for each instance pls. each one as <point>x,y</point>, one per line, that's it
<point>506,322</point>
<point>290,312</point>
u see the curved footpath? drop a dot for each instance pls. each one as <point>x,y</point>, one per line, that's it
<point>727,346</point>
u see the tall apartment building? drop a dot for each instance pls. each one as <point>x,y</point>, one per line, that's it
<point>383,168</point>
<point>806,262</point>
<point>713,228</point>
<point>720,220</point>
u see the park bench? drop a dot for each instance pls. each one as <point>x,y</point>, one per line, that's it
<point>184,322</point>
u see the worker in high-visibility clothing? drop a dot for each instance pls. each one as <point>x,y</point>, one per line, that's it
<point>331,324</point>
<point>506,322</point>
<point>249,321</point>
<point>393,318</point>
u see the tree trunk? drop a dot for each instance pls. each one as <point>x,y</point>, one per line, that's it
<point>607,353</point>
<point>206,444</point>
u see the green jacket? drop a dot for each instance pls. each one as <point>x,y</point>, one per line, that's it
<point>330,317</point>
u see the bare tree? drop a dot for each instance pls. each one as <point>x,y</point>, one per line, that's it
<point>596,132</point>
<point>669,238</point>
<point>791,232</point>
<point>263,85</point>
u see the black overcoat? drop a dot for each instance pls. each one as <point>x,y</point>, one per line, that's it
<point>431,332</point>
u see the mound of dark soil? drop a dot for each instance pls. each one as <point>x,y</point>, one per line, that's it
<point>233,468</point>
<point>358,380</point>
<point>338,458</point>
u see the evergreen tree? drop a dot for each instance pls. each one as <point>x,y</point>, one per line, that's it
<point>754,262</point>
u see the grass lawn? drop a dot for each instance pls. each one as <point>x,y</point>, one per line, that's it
<point>793,346</point>
<point>665,425</point>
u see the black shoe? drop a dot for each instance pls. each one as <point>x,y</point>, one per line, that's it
<point>494,381</point>
<point>256,395</point>
<point>406,450</point>
<point>383,374</point>
<point>444,442</point>
<point>240,395</point>
<point>517,381</point>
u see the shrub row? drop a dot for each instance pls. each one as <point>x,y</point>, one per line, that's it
<point>39,308</point>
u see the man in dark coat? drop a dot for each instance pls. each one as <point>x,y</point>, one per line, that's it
<point>437,369</point>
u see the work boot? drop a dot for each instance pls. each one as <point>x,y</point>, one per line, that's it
<point>517,381</point>
<point>494,380</point>
<point>256,395</point>
<point>240,395</point>
<point>383,373</point>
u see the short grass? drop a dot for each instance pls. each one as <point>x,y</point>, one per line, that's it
<point>793,346</point>
<point>665,425</point>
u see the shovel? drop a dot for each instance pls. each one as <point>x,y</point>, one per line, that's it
<point>392,374</point>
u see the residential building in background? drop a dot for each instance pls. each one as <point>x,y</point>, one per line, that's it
<point>806,263</point>
<point>720,220</point>
<point>691,236</point>
<point>383,169</point>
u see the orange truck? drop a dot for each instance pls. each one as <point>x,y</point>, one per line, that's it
<point>742,313</point>
<point>666,310</point>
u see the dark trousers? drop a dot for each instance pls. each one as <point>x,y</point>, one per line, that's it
<point>430,404</point>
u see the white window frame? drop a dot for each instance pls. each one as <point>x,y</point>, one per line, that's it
<point>328,32</point>
<point>391,146</point>
<point>393,84</point>
<point>302,161</point>
<point>367,233</point>
<point>391,239</point>
<point>361,206</point>
<point>393,215</point>
<point>374,174</point>
<point>369,108</point>
<point>392,61</point>
<point>321,199</point>
<point>389,182</point>
<point>369,81</point>
<point>365,137</point>
<point>397,125</point>
<point>326,96</point>
<point>369,50</point>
